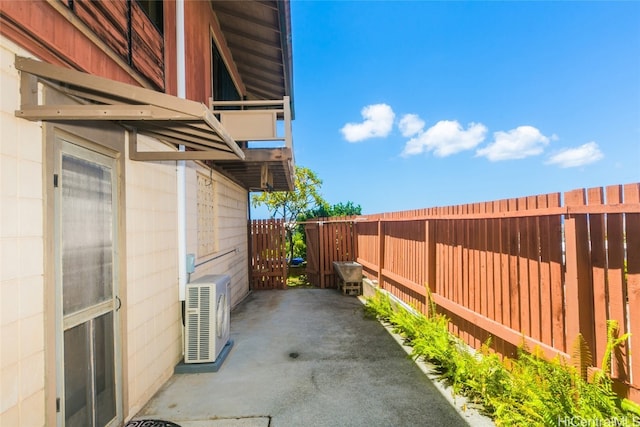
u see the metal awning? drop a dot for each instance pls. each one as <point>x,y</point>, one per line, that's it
<point>156,114</point>
<point>168,118</point>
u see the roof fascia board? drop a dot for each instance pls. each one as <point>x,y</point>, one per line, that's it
<point>284,14</point>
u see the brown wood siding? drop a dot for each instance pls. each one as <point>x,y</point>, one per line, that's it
<point>170,70</point>
<point>147,46</point>
<point>42,29</point>
<point>108,20</point>
<point>48,31</point>
<point>198,50</point>
<point>202,23</point>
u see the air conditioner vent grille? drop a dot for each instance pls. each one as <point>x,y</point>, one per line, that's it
<point>206,318</point>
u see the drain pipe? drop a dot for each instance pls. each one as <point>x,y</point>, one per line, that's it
<point>181,164</point>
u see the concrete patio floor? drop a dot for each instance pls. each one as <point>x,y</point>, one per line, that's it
<point>308,357</point>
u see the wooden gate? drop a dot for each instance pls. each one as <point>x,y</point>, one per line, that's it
<point>328,241</point>
<point>268,260</point>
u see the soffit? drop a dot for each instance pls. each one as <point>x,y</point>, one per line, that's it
<point>262,170</point>
<point>258,34</point>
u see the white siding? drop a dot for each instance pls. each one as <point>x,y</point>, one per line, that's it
<point>154,331</point>
<point>231,231</point>
<point>22,352</point>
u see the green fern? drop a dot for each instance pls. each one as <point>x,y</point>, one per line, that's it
<point>378,306</point>
<point>631,407</point>
<point>581,356</point>
<point>613,342</point>
<point>528,390</point>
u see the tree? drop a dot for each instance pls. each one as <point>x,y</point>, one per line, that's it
<point>321,211</point>
<point>289,205</point>
<point>326,211</point>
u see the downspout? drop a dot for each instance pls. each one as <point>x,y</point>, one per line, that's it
<point>249,240</point>
<point>181,164</point>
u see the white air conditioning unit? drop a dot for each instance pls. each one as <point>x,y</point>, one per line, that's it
<point>207,308</point>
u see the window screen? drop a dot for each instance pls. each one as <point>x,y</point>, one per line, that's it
<point>206,215</point>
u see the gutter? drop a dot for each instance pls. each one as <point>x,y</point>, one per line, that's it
<point>284,17</point>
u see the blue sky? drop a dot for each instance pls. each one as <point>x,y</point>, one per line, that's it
<point>404,105</point>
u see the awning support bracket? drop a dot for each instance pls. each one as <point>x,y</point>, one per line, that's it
<point>133,106</point>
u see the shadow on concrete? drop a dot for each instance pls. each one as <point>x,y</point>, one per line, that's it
<point>306,357</point>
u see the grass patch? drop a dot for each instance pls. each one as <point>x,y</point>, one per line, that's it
<point>528,390</point>
<point>297,277</point>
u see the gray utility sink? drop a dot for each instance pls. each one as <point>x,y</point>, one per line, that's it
<point>349,271</point>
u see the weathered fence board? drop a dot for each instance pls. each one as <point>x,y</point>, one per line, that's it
<point>632,234</point>
<point>268,260</point>
<point>328,241</point>
<point>530,270</point>
<point>616,280</point>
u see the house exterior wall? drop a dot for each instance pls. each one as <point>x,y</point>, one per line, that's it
<point>231,255</point>
<point>154,326</point>
<point>22,338</point>
<point>57,37</point>
<point>203,26</point>
<point>151,323</point>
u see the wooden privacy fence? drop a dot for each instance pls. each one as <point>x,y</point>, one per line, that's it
<point>537,270</point>
<point>268,254</point>
<point>328,240</point>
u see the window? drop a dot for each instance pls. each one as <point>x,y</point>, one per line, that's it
<point>222,84</point>
<point>153,9</point>
<point>206,215</point>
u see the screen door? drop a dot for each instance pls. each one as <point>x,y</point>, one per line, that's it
<point>86,203</point>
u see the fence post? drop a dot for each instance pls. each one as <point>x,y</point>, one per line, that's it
<point>632,227</point>
<point>380,250</point>
<point>579,292</point>
<point>430,258</point>
<point>354,240</point>
<point>321,250</point>
<point>285,265</point>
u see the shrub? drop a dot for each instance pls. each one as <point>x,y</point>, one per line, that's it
<point>528,390</point>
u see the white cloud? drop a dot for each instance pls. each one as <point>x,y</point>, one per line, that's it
<point>410,124</point>
<point>378,122</point>
<point>518,143</point>
<point>445,138</point>
<point>579,156</point>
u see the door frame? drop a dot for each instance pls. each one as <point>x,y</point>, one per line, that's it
<point>71,145</point>
<point>112,143</point>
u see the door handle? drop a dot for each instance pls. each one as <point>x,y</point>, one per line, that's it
<point>119,303</point>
